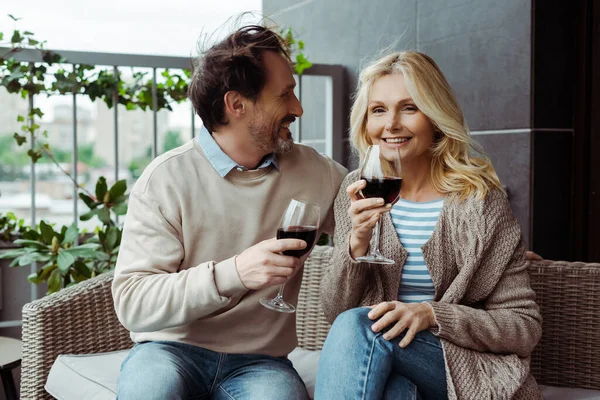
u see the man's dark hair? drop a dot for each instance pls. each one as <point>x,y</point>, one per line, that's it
<point>235,63</point>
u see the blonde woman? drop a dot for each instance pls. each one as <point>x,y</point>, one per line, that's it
<point>455,317</point>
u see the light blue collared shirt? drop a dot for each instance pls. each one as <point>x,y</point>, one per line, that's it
<point>221,162</point>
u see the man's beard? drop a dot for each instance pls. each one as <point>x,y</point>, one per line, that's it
<point>272,143</point>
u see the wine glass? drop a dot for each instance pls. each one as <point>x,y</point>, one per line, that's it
<point>382,170</point>
<point>300,221</point>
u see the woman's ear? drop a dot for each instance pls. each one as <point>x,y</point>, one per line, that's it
<point>235,104</point>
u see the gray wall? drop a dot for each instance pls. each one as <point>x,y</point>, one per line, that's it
<point>482,46</point>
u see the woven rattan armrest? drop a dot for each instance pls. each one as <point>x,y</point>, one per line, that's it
<point>77,320</point>
<point>568,294</point>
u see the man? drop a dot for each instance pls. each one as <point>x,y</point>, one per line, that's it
<point>198,249</point>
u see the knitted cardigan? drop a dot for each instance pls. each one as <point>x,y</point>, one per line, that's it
<point>484,307</point>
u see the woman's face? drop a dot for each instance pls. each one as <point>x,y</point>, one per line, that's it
<point>394,121</point>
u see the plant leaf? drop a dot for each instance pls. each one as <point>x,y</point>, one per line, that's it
<point>10,254</point>
<point>71,234</point>
<point>16,37</point>
<point>24,260</point>
<point>118,189</point>
<point>47,232</point>
<point>39,257</point>
<point>31,243</point>
<point>31,235</point>
<point>120,209</point>
<point>88,215</point>
<point>111,238</point>
<point>20,139</point>
<point>54,282</point>
<point>104,215</point>
<point>101,188</point>
<point>65,260</point>
<point>82,269</point>
<point>87,250</point>
<point>34,278</point>
<point>91,203</point>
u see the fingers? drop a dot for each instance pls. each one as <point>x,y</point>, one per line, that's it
<point>280,260</point>
<point>353,189</point>
<point>362,217</point>
<point>530,255</point>
<point>410,335</point>
<point>281,245</point>
<point>365,205</point>
<point>386,320</point>
<point>380,309</point>
<point>395,330</point>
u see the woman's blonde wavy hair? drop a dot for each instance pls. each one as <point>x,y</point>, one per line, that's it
<point>459,165</point>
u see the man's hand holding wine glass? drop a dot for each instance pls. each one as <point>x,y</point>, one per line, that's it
<point>264,264</point>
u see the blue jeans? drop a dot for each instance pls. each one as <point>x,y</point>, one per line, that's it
<point>171,370</point>
<point>357,363</point>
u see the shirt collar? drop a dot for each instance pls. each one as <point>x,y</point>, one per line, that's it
<point>221,162</point>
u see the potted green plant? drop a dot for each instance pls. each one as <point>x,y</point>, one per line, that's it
<point>64,262</point>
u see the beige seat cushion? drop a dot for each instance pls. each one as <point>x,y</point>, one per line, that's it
<point>94,377</point>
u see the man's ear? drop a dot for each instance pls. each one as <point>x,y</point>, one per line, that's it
<point>235,104</point>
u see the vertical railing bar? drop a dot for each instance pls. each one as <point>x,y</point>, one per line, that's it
<point>33,266</point>
<point>75,160</point>
<point>193,122</point>
<point>154,115</point>
<point>116,124</point>
<point>299,120</point>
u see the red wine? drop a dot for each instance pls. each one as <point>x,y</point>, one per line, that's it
<point>306,233</point>
<point>386,188</point>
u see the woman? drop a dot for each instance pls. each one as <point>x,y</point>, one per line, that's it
<point>455,317</point>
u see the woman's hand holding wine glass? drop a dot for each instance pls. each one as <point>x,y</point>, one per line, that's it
<point>364,214</point>
<point>381,176</point>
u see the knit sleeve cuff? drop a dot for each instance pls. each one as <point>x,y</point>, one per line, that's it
<point>444,319</point>
<point>227,280</point>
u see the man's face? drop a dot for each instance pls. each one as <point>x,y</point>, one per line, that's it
<point>276,107</point>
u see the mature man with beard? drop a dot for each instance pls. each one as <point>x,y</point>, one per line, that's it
<point>199,248</point>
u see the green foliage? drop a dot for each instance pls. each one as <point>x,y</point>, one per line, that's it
<point>11,227</point>
<point>137,165</point>
<point>64,261</point>
<point>172,140</point>
<point>28,79</point>
<point>296,48</point>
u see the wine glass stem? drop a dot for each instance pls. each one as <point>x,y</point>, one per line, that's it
<point>280,293</point>
<point>376,238</point>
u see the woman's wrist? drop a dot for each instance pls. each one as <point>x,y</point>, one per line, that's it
<point>432,321</point>
<point>357,248</point>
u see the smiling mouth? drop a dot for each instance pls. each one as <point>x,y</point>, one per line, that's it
<point>285,125</point>
<point>396,140</point>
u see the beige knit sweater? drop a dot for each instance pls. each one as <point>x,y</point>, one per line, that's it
<point>176,277</point>
<point>488,321</point>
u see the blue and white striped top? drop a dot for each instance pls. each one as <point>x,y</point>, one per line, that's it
<point>414,223</point>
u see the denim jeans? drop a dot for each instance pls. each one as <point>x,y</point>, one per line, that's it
<point>357,363</point>
<point>171,370</point>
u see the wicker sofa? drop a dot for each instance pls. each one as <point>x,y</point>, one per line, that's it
<point>81,320</point>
